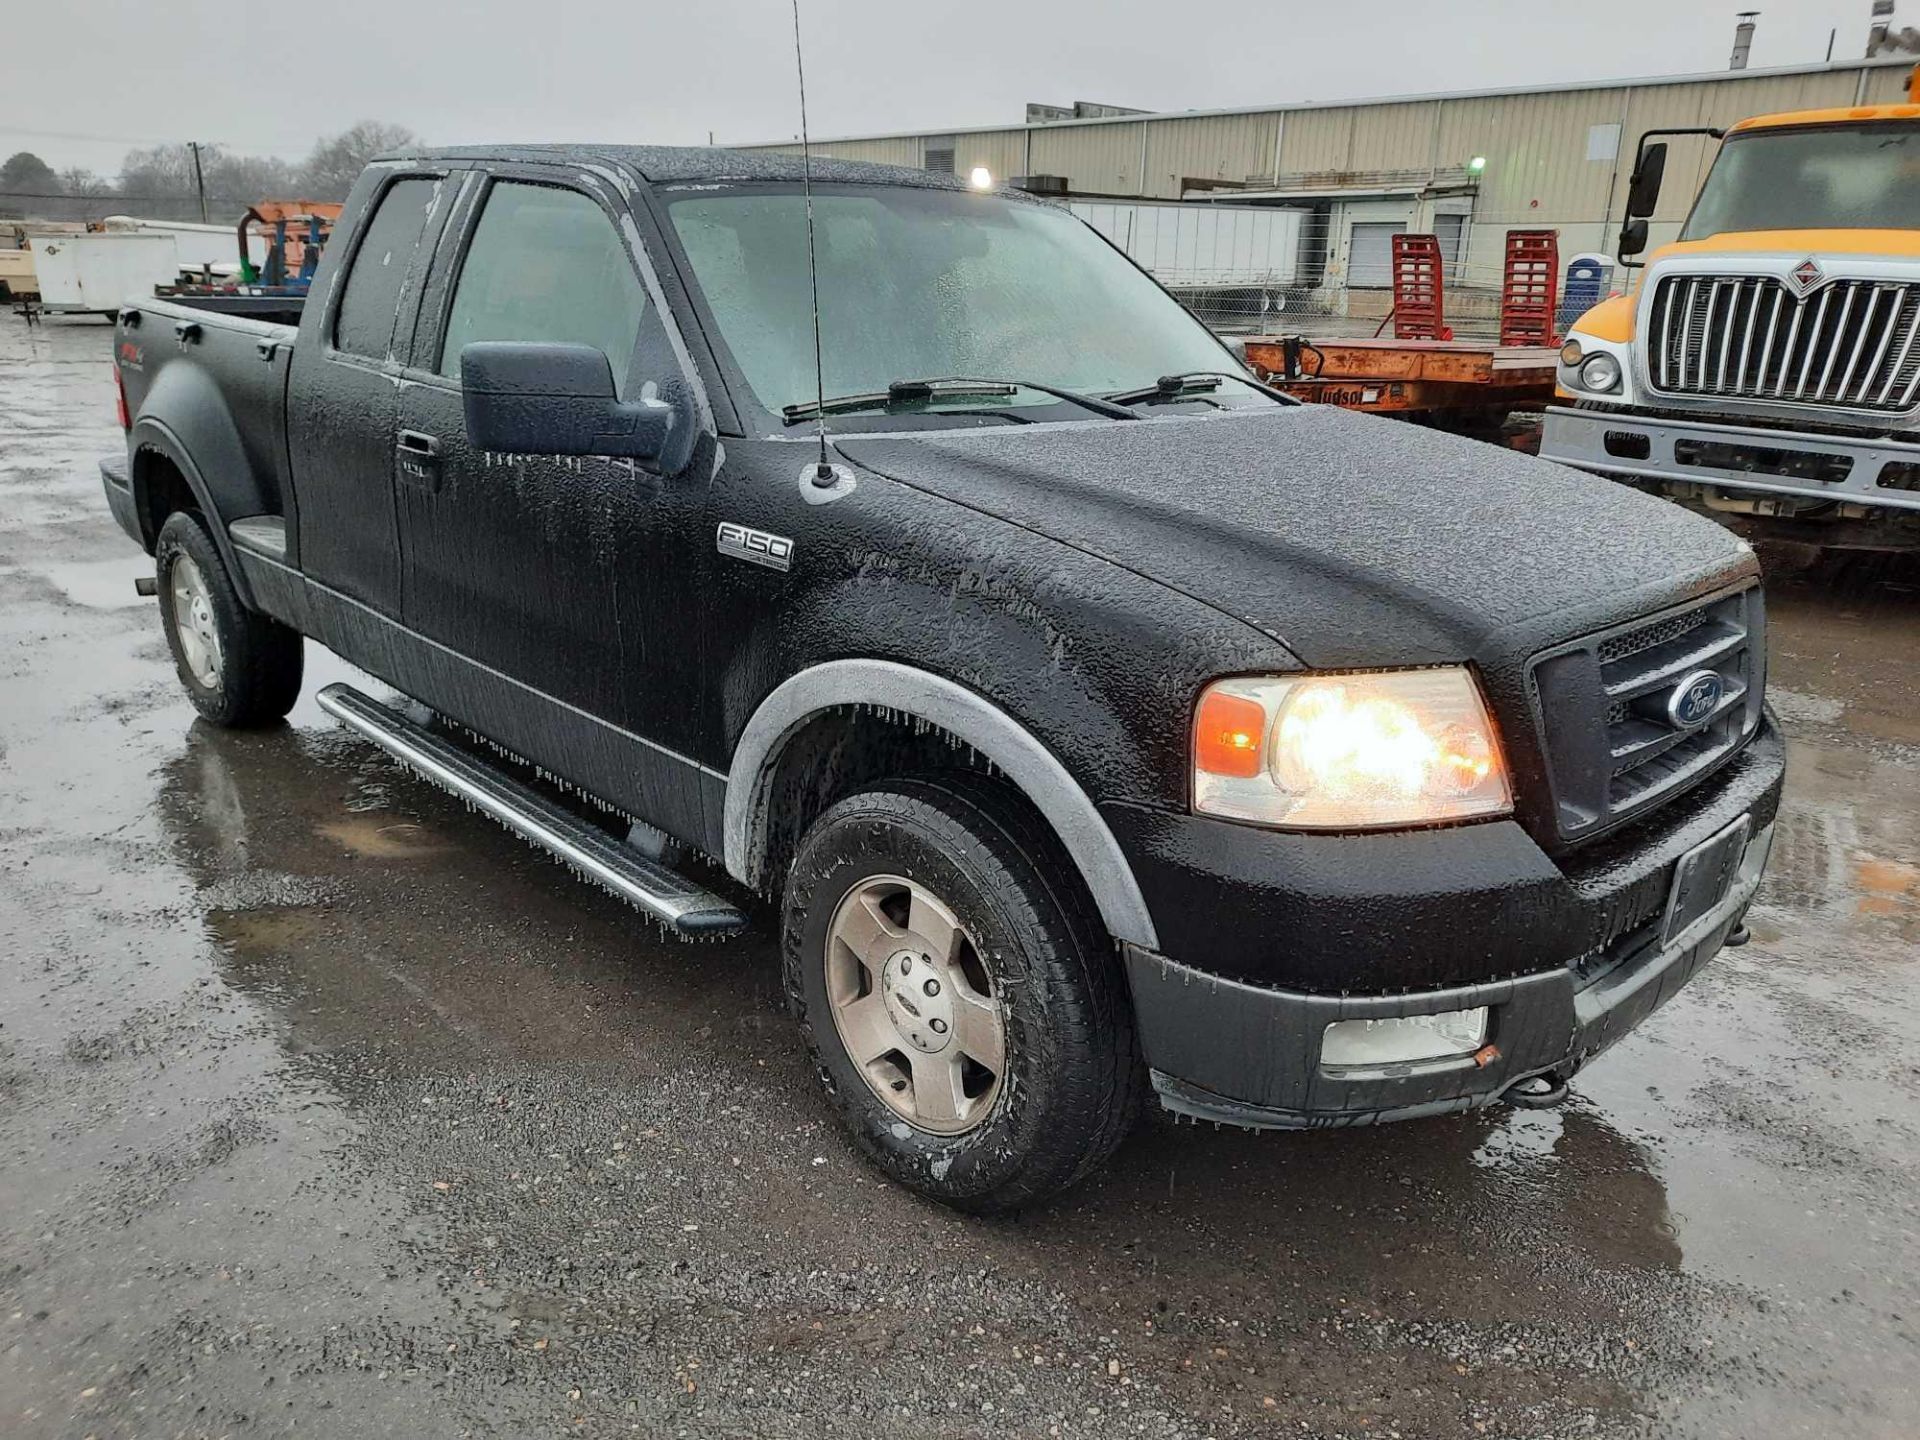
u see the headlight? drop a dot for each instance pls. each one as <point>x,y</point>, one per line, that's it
<point>1570,353</point>
<point>1338,751</point>
<point>1600,373</point>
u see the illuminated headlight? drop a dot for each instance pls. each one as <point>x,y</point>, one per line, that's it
<point>1600,373</point>
<point>1404,1039</point>
<point>1335,751</point>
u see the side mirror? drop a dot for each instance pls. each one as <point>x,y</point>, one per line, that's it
<point>1633,238</point>
<point>547,398</point>
<point>1643,192</point>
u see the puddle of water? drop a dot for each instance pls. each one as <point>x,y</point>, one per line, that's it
<point>267,929</point>
<point>380,838</point>
<point>101,584</point>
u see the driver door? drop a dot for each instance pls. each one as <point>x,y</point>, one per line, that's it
<point>557,572</point>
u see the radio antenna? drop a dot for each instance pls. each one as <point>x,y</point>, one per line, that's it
<point>823,474</point>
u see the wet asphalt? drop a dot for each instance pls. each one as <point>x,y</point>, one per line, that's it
<point>328,1108</point>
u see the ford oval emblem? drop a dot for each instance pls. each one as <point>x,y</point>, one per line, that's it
<point>1694,700</point>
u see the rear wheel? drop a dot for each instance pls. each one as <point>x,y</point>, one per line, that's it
<point>959,994</point>
<point>239,668</point>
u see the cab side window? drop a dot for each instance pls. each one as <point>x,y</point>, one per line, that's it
<point>371,301</point>
<point>546,264</point>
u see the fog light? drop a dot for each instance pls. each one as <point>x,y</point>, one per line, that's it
<point>1600,373</point>
<point>1401,1039</point>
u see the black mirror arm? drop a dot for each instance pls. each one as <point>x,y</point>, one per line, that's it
<point>665,417</point>
<point>1631,242</point>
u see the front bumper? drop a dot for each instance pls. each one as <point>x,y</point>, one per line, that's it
<point>1566,965</point>
<point>1220,1050</point>
<point>1860,469</point>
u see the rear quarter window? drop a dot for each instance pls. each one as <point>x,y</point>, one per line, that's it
<point>370,304</point>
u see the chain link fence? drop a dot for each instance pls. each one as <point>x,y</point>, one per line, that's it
<point>1327,270</point>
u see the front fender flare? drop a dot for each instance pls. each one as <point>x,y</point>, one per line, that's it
<point>964,714</point>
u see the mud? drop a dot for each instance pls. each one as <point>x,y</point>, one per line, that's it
<point>328,1108</point>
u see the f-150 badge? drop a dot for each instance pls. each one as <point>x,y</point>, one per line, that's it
<point>757,547</point>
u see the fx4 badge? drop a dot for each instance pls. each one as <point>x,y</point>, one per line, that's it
<point>757,547</point>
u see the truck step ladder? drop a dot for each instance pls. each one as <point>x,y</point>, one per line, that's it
<point>1528,288</point>
<point>1419,304</point>
<point>681,904</point>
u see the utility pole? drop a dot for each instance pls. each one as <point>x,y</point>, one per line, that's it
<point>199,179</point>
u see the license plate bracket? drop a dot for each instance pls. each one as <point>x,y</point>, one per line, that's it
<point>1703,877</point>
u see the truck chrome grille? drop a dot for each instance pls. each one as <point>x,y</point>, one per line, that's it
<point>1602,703</point>
<point>1852,344</point>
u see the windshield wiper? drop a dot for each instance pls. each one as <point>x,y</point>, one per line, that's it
<point>1194,382</point>
<point>902,392</point>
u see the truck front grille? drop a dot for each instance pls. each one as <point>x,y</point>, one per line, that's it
<point>1852,344</point>
<point>1613,748</point>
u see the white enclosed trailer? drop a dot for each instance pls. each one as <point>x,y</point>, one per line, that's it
<point>1188,245</point>
<point>96,273</point>
<point>196,246</point>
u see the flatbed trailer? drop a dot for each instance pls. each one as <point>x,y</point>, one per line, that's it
<point>1433,379</point>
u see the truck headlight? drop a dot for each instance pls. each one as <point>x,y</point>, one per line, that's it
<point>1348,751</point>
<point>1600,373</point>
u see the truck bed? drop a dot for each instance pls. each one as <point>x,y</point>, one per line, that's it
<point>227,378</point>
<point>274,309</point>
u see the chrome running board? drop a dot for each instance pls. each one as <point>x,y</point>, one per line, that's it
<point>673,899</point>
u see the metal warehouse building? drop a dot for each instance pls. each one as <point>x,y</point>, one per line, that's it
<point>1467,166</point>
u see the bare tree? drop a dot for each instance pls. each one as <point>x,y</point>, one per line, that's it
<point>160,182</point>
<point>337,162</point>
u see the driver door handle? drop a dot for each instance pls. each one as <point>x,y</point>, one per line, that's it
<point>419,460</point>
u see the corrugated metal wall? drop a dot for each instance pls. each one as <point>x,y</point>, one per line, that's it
<point>1003,152</point>
<point>1552,158</point>
<point>1536,145</point>
<point>1208,147</point>
<point>1096,159</point>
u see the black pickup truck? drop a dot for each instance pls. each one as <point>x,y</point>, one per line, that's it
<point>1098,719</point>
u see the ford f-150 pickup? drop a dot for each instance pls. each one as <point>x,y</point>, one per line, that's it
<point>1102,724</point>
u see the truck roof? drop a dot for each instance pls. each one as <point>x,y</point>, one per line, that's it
<point>673,164</point>
<point>1837,115</point>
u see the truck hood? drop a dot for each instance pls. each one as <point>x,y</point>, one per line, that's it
<point>1899,244</point>
<point>1351,540</point>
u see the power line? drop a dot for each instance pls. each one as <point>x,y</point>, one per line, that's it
<point>145,142</point>
<point>186,194</point>
<point>72,135</point>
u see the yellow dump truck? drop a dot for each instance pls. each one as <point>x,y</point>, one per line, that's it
<point>1766,367</point>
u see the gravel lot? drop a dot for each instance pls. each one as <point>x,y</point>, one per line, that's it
<point>327,1108</point>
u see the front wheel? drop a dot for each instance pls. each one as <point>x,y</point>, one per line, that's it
<point>239,668</point>
<point>959,994</point>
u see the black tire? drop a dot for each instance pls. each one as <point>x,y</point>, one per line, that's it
<point>256,674</point>
<point>1073,1077</point>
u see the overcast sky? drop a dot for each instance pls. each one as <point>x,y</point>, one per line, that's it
<point>82,81</point>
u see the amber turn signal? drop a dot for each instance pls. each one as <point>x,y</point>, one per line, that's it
<point>1229,735</point>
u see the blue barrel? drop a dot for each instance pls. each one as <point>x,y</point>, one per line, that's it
<point>1588,277</point>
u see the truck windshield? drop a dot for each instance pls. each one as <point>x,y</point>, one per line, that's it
<point>923,282</point>
<point>1831,177</point>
